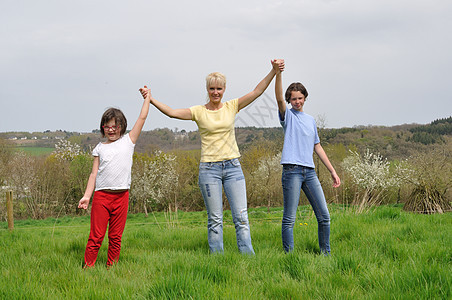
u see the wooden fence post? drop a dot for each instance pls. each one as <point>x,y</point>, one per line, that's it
<point>9,208</point>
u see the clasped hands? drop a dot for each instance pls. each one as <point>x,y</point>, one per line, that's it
<point>278,65</point>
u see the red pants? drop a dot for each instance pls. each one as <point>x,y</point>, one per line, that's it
<point>107,208</point>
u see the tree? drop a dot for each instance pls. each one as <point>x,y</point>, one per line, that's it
<point>153,180</point>
<point>373,176</point>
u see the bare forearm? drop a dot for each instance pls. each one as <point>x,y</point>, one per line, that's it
<point>263,85</point>
<point>144,111</point>
<point>162,107</point>
<point>90,186</point>
<point>324,158</point>
<point>84,202</point>
<point>279,93</point>
<point>182,113</point>
<point>258,90</point>
<point>136,130</point>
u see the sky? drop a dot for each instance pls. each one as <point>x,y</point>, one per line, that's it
<point>363,62</point>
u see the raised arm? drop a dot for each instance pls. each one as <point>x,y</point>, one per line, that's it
<point>279,92</point>
<point>136,130</point>
<point>181,113</point>
<point>324,158</point>
<point>259,89</point>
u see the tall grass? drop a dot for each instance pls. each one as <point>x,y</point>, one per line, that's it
<point>384,253</point>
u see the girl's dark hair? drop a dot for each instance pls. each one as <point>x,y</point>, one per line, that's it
<point>296,87</point>
<point>118,116</point>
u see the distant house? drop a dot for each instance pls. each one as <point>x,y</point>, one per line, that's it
<point>181,135</point>
<point>12,138</point>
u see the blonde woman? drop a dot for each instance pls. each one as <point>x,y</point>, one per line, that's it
<point>219,167</point>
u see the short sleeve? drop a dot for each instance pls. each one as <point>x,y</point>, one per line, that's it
<point>234,105</point>
<point>195,112</point>
<point>96,150</point>
<point>129,140</point>
<point>316,138</point>
<point>281,121</point>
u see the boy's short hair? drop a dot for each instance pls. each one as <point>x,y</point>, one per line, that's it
<point>295,87</point>
<point>118,116</point>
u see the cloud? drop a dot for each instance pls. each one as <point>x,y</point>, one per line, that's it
<point>68,61</point>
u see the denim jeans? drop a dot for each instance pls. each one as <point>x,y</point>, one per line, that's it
<point>294,178</point>
<point>213,176</point>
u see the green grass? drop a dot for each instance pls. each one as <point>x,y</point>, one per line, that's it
<point>36,151</point>
<point>382,254</point>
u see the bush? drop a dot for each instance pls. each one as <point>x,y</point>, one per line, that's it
<point>265,182</point>
<point>48,186</point>
<point>6,154</point>
<point>262,169</point>
<point>373,176</point>
<point>53,185</point>
<point>189,197</point>
<point>432,180</point>
<point>153,181</point>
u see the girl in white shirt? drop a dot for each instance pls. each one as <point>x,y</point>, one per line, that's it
<point>110,181</point>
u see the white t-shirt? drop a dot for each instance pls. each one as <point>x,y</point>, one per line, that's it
<point>115,164</point>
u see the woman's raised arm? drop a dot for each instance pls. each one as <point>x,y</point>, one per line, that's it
<point>181,113</point>
<point>261,87</point>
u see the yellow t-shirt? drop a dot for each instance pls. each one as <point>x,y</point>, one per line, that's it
<point>216,128</point>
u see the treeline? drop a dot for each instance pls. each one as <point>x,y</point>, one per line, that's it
<point>396,142</point>
<point>433,132</point>
<point>393,142</point>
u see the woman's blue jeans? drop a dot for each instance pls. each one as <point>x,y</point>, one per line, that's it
<point>213,177</point>
<point>295,178</point>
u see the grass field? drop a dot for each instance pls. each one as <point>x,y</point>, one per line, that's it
<point>382,254</point>
<point>36,151</point>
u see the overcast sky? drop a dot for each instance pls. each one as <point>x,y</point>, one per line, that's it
<point>379,62</point>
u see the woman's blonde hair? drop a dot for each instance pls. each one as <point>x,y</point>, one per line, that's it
<point>215,77</point>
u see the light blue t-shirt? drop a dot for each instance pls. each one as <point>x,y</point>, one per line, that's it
<point>300,136</point>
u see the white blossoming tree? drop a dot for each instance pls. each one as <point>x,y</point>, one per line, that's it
<point>154,180</point>
<point>373,175</point>
<point>266,179</point>
<point>65,150</point>
<point>22,178</point>
<point>77,164</point>
<point>40,184</point>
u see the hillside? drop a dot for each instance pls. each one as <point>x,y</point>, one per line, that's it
<point>393,142</point>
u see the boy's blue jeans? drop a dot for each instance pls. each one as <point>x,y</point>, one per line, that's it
<point>213,177</point>
<point>294,178</point>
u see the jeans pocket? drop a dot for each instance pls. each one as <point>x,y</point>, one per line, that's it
<point>204,166</point>
<point>235,162</point>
